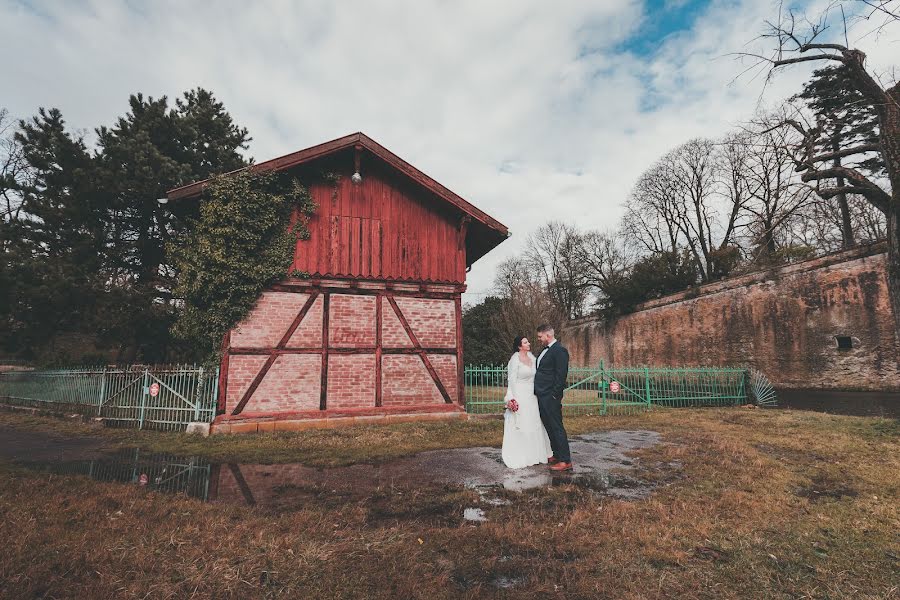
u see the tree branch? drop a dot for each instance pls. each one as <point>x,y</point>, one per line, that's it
<point>874,194</point>
<point>800,59</point>
<point>873,147</point>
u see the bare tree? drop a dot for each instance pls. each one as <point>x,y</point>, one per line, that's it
<point>775,192</point>
<point>607,258</point>
<point>797,41</point>
<point>691,199</point>
<point>554,255</point>
<point>526,303</point>
<point>14,171</point>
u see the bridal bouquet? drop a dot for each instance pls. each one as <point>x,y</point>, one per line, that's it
<point>512,405</point>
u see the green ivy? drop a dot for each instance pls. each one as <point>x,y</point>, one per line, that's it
<point>241,243</point>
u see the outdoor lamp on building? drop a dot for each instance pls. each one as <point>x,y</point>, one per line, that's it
<point>356,178</point>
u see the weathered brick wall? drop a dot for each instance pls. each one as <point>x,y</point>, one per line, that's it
<point>433,321</point>
<point>351,321</point>
<point>351,381</point>
<point>294,381</point>
<point>783,322</point>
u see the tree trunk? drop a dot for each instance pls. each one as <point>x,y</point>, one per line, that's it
<point>893,266</point>
<point>847,240</point>
<point>890,145</point>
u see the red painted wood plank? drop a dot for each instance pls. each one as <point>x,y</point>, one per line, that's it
<point>334,252</point>
<point>355,246</point>
<point>343,246</point>
<point>376,248</point>
<point>460,372</point>
<point>326,310</point>
<point>379,307</point>
<point>366,261</point>
<point>223,374</point>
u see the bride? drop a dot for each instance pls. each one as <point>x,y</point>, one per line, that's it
<point>525,441</point>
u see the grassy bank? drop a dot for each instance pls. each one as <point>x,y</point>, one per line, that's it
<point>762,504</point>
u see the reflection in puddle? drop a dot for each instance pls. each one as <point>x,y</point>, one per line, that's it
<point>283,486</point>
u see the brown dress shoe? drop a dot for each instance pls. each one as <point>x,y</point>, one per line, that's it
<point>561,466</point>
<point>552,460</point>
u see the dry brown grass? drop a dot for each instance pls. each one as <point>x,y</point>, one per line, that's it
<point>765,504</point>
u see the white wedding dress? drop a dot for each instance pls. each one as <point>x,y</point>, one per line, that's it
<point>525,441</point>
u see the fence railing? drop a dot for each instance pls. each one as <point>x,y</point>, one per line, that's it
<point>601,389</point>
<point>161,397</point>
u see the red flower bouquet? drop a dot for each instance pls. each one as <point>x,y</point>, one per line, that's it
<point>512,405</point>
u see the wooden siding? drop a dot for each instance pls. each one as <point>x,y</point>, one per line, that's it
<point>385,228</point>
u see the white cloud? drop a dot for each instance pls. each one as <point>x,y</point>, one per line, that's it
<point>526,108</point>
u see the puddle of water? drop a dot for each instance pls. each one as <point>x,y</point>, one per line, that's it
<point>474,515</point>
<point>286,486</point>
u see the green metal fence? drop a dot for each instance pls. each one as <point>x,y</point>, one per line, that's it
<point>600,390</point>
<point>159,397</point>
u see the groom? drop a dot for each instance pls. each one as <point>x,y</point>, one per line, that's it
<point>549,383</point>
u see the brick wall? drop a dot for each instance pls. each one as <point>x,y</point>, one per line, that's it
<point>433,321</point>
<point>392,333</point>
<point>309,332</point>
<point>406,382</point>
<point>293,383</point>
<point>269,320</point>
<point>351,381</point>
<point>784,322</point>
<point>351,321</point>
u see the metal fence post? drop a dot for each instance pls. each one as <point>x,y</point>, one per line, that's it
<point>200,395</point>
<point>603,386</point>
<point>145,393</point>
<point>647,386</point>
<point>102,392</point>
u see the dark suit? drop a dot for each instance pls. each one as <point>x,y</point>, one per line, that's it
<point>549,384</point>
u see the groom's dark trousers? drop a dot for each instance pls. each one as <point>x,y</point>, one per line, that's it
<point>549,383</point>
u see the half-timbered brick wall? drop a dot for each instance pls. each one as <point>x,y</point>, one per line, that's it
<point>276,361</point>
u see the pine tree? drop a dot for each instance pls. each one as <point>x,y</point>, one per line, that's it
<point>55,253</point>
<point>845,117</point>
<point>150,150</point>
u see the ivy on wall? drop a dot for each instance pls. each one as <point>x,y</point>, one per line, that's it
<point>242,242</point>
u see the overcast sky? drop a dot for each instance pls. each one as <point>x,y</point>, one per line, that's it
<point>531,110</point>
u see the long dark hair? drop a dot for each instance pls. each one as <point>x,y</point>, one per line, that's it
<point>517,343</point>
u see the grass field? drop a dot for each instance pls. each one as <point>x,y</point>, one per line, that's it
<point>762,504</point>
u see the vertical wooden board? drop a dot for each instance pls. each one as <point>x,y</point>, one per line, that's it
<point>396,233</point>
<point>334,252</point>
<point>366,267</point>
<point>344,245</point>
<point>356,194</point>
<point>354,246</point>
<point>323,246</point>
<point>376,248</point>
<point>415,239</point>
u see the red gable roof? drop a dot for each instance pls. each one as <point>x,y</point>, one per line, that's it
<point>485,234</point>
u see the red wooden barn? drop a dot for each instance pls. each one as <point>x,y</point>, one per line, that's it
<point>376,329</point>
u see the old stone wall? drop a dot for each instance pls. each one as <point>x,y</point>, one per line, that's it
<point>823,323</point>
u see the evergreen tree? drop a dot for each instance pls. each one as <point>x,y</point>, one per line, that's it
<point>845,117</point>
<point>482,342</point>
<point>150,150</point>
<point>54,254</point>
